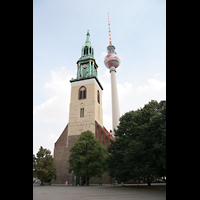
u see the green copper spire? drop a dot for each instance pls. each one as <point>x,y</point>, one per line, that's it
<point>86,64</point>
<point>87,42</point>
<point>87,50</point>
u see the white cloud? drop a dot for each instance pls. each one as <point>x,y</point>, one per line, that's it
<point>104,53</point>
<point>106,95</point>
<point>124,91</point>
<point>51,116</point>
<point>56,108</point>
<point>107,73</point>
<point>59,82</point>
<point>46,138</point>
<point>51,139</point>
<point>107,119</point>
<point>43,112</point>
<point>153,86</point>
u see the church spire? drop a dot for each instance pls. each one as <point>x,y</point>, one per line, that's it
<point>88,39</point>
<point>86,64</point>
<point>87,50</point>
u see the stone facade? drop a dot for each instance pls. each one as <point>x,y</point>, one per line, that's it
<point>92,108</point>
<point>61,155</point>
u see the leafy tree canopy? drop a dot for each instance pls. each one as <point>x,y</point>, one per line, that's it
<point>43,165</point>
<point>140,147</point>
<point>87,158</point>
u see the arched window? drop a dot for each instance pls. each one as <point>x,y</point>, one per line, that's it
<point>86,51</point>
<point>98,96</point>
<point>82,93</point>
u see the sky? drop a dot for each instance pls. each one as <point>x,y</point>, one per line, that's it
<point>138,31</point>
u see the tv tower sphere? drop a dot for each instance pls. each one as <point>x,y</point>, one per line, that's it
<point>111,59</point>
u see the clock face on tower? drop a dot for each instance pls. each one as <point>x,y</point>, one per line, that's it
<point>85,71</point>
<point>84,66</point>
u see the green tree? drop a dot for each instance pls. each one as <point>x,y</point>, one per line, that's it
<point>139,151</point>
<point>87,158</point>
<point>34,163</point>
<point>44,166</point>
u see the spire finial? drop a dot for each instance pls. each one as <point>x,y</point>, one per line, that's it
<point>110,42</point>
<point>88,38</point>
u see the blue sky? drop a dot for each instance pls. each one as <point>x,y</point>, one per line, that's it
<point>138,29</point>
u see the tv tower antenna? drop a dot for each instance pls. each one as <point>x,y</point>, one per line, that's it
<point>109,30</point>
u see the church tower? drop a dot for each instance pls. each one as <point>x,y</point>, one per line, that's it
<point>86,94</point>
<point>85,113</point>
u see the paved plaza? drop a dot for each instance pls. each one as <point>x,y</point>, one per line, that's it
<point>107,192</point>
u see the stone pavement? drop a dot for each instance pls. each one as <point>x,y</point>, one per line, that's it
<point>107,192</point>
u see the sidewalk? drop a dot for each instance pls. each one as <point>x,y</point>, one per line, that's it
<point>108,192</point>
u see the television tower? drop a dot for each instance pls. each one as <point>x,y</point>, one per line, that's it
<point>112,61</point>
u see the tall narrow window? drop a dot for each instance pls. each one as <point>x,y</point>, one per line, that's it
<point>82,93</point>
<point>86,51</point>
<point>98,96</point>
<point>82,112</point>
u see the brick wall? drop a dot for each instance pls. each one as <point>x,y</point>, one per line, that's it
<point>61,156</point>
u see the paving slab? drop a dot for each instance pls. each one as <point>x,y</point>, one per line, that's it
<point>108,192</point>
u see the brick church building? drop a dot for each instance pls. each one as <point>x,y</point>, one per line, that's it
<point>85,113</point>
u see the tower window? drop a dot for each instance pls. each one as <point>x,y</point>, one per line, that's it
<point>82,93</point>
<point>98,96</point>
<point>82,112</point>
<point>86,51</point>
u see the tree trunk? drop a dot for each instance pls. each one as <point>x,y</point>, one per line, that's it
<point>148,181</point>
<point>41,182</point>
<point>87,181</point>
